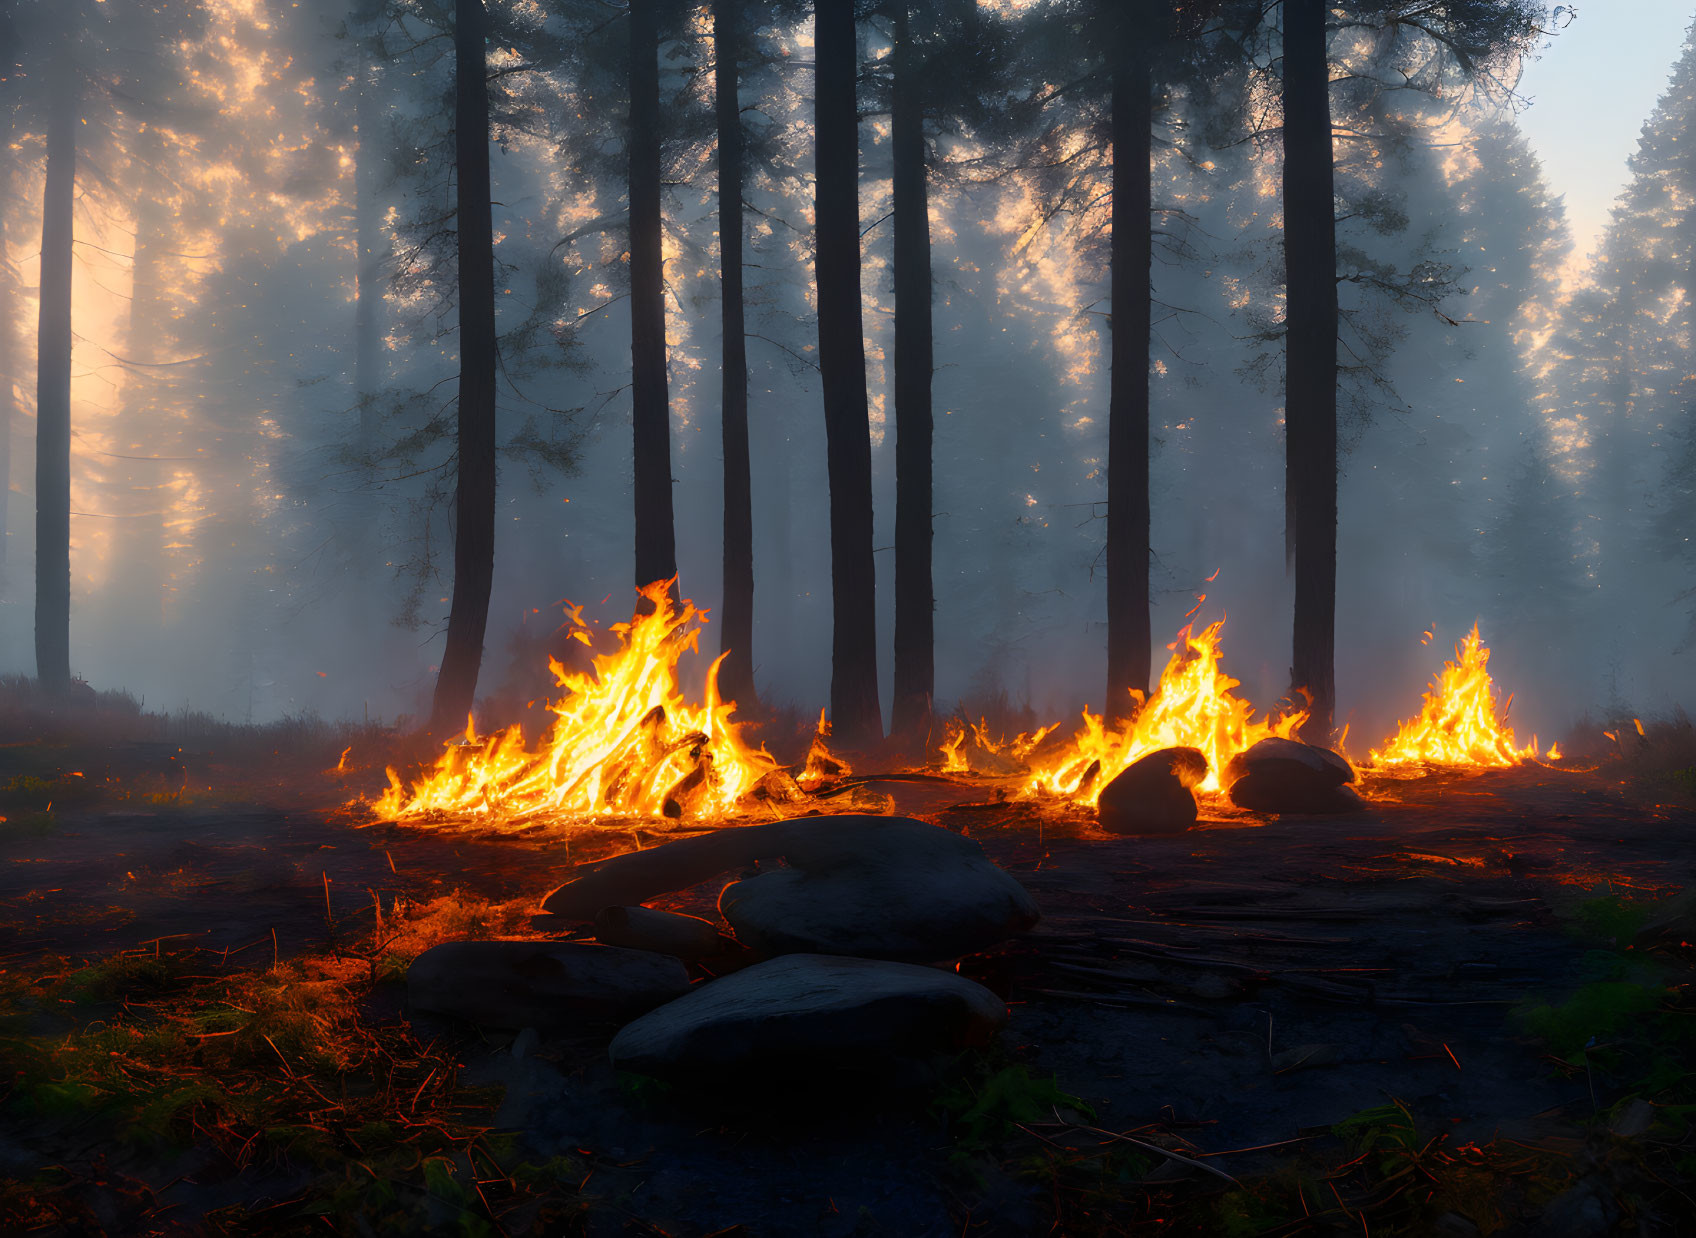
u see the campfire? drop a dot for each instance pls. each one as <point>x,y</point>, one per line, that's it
<point>623,742</point>
<point>1459,723</point>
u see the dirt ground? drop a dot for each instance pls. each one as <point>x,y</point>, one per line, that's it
<point>1235,992</point>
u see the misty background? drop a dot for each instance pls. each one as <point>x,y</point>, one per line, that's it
<point>252,537</point>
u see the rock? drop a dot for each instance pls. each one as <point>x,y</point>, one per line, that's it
<point>883,887</point>
<point>1152,795</point>
<point>643,928</point>
<point>1281,775</point>
<point>520,984</point>
<point>1584,1210</point>
<point>809,1015</point>
<point>637,876</point>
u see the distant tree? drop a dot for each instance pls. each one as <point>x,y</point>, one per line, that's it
<point>474,492</point>
<point>854,709</point>
<point>1626,344</point>
<point>99,63</point>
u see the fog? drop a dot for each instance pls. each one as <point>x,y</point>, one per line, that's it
<point>260,530</point>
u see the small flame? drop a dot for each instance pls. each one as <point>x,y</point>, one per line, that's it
<point>1458,724</point>
<point>623,739</point>
<point>1191,707</point>
<point>341,765</point>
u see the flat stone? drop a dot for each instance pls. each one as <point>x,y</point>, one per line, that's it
<point>808,1015</point>
<point>518,984</point>
<point>1152,795</point>
<point>885,888</point>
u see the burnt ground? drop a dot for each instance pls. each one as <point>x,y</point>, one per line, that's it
<point>1253,982</point>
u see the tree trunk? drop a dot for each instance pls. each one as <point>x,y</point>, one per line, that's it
<point>736,633</point>
<point>474,497</point>
<point>1310,385</point>
<point>656,551</point>
<point>915,652</point>
<point>53,399</point>
<point>854,707</point>
<point>1128,643</point>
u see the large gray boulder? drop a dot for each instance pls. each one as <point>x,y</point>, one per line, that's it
<point>1282,775</point>
<point>1152,795</point>
<point>887,888</point>
<point>809,1015</point>
<point>541,983</point>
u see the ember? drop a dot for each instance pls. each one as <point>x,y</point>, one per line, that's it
<point>623,740</point>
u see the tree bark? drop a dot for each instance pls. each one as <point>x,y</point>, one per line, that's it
<point>53,399</point>
<point>656,552</point>
<point>736,633</point>
<point>474,497</point>
<point>854,708</point>
<point>1310,385</point>
<point>1128,634</point>
<point>915,652</point>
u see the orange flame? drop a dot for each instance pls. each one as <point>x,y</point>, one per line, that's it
<point>1459,723</point>
<point>1191,707</point>
<point>623,740</point>
<point>961,736</point>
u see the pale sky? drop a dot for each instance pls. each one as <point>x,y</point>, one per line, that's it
<point>1594,86</point>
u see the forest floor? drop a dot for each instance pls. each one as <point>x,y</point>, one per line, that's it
<point>1466,1010</point>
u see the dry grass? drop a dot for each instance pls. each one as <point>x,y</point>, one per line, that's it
<point>285,1088</point>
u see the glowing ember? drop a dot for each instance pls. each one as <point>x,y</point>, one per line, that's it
<point>623,740</point>
<point>1459,724</point>
<point>1191,707</point>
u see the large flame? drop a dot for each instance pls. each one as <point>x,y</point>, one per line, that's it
<point>1191,707</point>
<point>1459,723</point>
<point>623,740</point>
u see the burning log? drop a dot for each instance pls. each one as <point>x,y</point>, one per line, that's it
<point>623,740</point>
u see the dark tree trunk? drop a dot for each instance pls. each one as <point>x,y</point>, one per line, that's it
<point>656,551</point>
<point>915,653</point>
<point>736,635</point>
<point>53,400</point>
<point>1310,385</point>
<point>474,497</point>
<point>854,708</point>
<point>1128,644</point>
